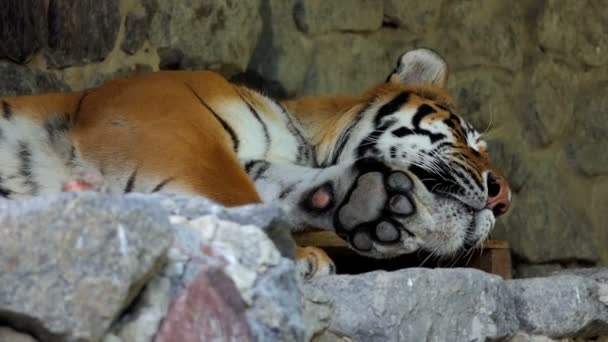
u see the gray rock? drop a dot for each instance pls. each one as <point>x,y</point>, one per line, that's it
<point>482,97</point>
<point>560,306</point>
<point>218,271</point>
<point>23,29</point>
<point>137,26</point>
<point>71,263</point>
<point>10,335</point>
<point>586,145</point>
<point>534,271</point>
<point>415,305</point>
<point>599,199</point>
<point>553,100</point>
<point>524,337</point>
<point>283,53</point>
<point>417,18</point>
<point>320,16</point>
<point>199,34</point>
<point>509,157</point>
<point>482,33</point>
<point>365,64</point>
<point>544,225</point>
<point>267,217</point>
<point>19,80</point>
<point>81,32</point>
<point>575,30</point>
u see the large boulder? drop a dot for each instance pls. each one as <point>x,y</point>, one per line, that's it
<point>70,264</point>
<point>223,267</point>
<point>92,267</point>
<point>200,34</point>
<point>16,79</point>
<point>412,305</point>
<point>320,16</point>
<point>570,303</point>
<point>23,30</point>
<point>81,32</point>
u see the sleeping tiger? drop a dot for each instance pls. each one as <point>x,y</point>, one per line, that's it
<point>392,171</point>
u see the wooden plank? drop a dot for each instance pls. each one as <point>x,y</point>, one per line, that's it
<point>494,257</point>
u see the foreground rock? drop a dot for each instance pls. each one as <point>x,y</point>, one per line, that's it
<point>413,305</point>
<point>71,264</point>
<point>568,304</point>
<point>91,267</point>
<point>139,268</point>
<point>225,279</point>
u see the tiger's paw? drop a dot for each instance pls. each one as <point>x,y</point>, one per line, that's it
<point>87,180</point>
<point>312,262</point>
<point>372,206</point>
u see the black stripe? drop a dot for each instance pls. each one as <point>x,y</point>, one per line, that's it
<point>25,166</point>
<point>468,169</point>
<point>262,123</point>
<point>56,125</point>
<point>256,168</point>
<point>401,132</point>
<point>7,111</point>
<point>250,164</point>
<point>422,111</point>
<point>261,170</point>
<point>74,118</point>
<point>72,160</point>
<point>369,143</point>
<point>131,181</point>
<point>287,190</point>
<point>347,132</point>
<point>391,107</point>
<point>227,128</point>
<point>453,122</point>
<point>303,145</point>
<point>4,192</point>
<point>442,145</point>
<point>393,150</point>
<point>162,184</point>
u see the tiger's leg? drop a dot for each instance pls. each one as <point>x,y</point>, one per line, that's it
<point>363,202</point>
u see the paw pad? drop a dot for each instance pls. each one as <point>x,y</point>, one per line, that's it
<point>370,212</point>
<point>387,232</point>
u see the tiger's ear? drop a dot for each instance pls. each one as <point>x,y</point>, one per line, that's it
<point>420,66</point>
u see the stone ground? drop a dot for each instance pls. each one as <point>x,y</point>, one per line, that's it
<point>137,268</point>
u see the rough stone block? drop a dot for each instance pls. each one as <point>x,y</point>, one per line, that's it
<point>414,305</point>
<point>201,34</point>
<point>319,16</point>
<point>560,306</point>
<point>81,32</point>
<point>70,264</point>
<point>23,28</point>
<point>20,80</point>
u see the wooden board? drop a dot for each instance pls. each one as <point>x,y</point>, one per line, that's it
<point>494,257</point>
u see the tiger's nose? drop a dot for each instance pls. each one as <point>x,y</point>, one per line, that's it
<point>499,195</point>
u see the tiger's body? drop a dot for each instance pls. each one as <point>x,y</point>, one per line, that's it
<point>356,165</point>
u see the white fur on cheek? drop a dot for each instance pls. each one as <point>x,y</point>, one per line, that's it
<point>484,223</point>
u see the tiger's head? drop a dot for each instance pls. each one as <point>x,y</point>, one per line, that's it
<point>410,122</point>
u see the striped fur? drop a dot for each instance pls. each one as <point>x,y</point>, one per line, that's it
<point>194,132</point>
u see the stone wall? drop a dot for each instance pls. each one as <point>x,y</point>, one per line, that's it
<point>519,69</point>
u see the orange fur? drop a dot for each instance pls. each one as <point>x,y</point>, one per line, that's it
<point>156,123</point>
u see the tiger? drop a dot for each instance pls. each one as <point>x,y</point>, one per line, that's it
<point>391,171</point>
